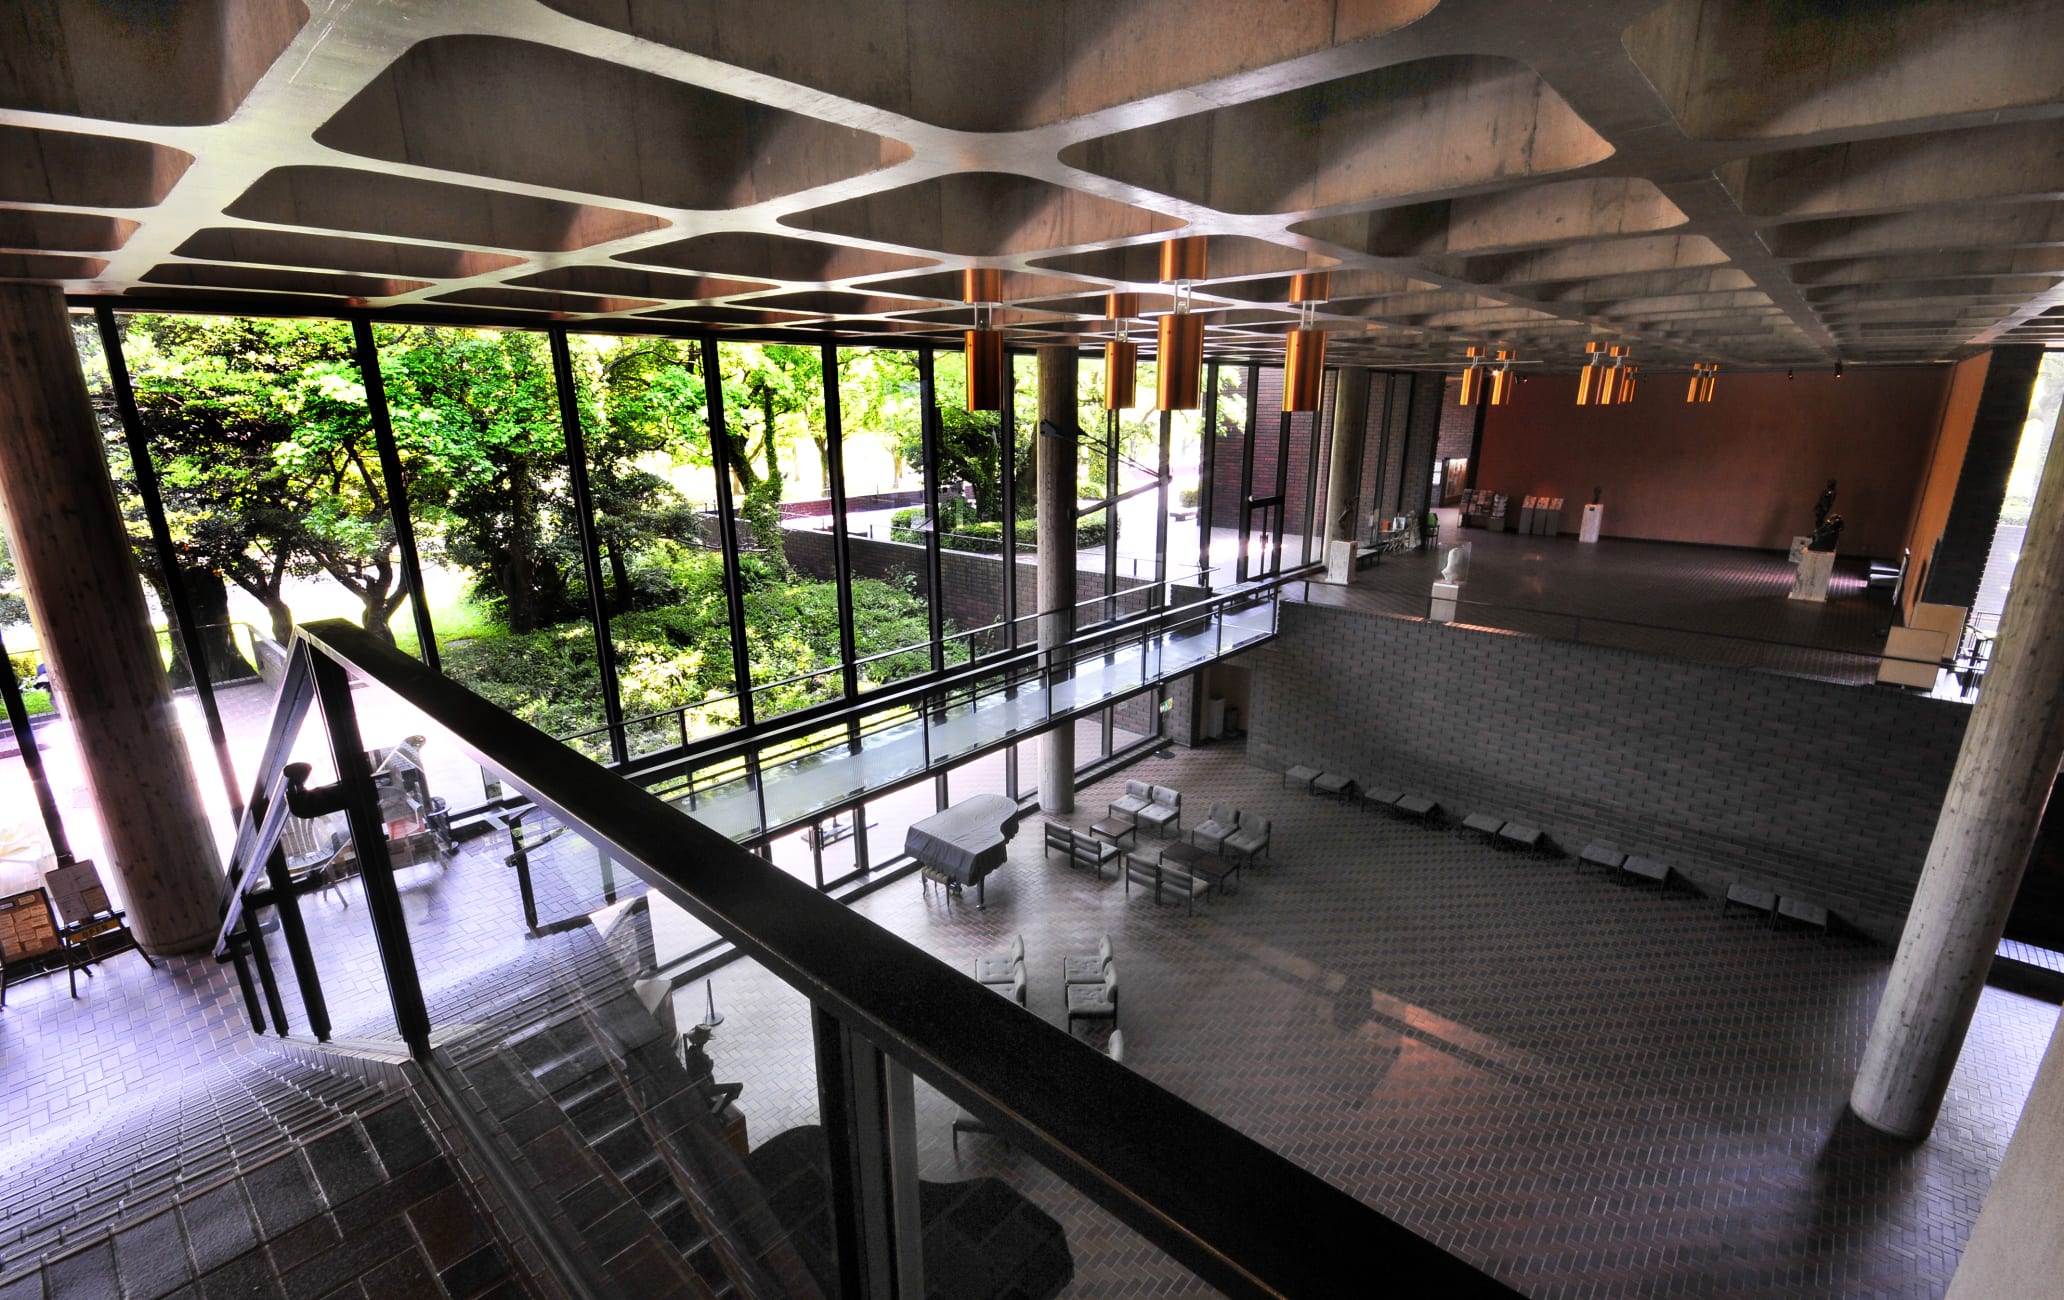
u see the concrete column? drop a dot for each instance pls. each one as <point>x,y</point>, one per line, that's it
<point>1344,472</point>
<point>66,534</point>
<point>2003,775</point>
<point>2015,1248</point>
<point>1056,504</point>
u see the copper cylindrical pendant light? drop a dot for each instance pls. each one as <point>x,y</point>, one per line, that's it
<point>1304,369</point>
<point>985,370</point>
<point>1304,351</point>
<point>1121,355</point>
<point>1121,375</point>
<point>981,287</point>
<point>1469,375</point>
<point>1179,365</point>
<point>1179,354</point>
<point>1183,259</point>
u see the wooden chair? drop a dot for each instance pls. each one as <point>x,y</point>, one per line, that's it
<point>1211,835</point>
<point>1164,811</point>
<point>1251,839</point>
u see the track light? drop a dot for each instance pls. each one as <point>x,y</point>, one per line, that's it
<point>1838,369</point>
<point>1179,364</point>
<point>1471,374</point>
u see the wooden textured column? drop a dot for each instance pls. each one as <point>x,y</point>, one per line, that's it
<point>1344,470</point>
<point>69,545</point>
<point>1056,505</point>
<point>2003,775</point>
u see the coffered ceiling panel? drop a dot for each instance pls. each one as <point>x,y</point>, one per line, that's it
<point>1756,184</point>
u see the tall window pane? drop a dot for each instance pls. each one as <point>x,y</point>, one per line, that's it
<point>645,419</point>
<point>880,414</point>
<point>476,415</point>
<point>971,514</point>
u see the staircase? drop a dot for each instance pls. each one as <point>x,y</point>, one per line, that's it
<point>257,1174</point>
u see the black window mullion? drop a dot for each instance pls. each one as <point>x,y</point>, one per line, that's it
<point>397,486</point>
<point>928,427</point>
<point>841,557</point>
<point>1007,453</point>
<point>1207,470</point>
<point>584,523</point>
<point>727,529</point>
<point>168,556</point>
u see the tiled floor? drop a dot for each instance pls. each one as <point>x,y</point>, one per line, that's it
<point>1586,1089</point>
<point>1712,603</point>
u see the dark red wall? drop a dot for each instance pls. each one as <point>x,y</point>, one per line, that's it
<point>1741,470</point>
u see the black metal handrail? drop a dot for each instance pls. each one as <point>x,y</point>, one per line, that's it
<point>1244,1218</point>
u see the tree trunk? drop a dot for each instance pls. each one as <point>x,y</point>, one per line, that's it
<point>208,596</point>
<point>518,576</point>
<point>619,578</point>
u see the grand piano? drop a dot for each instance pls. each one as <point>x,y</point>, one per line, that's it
<point>966,842</point>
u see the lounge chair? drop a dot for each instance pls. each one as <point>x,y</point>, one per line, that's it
<point>996,967</point>
<point>1164,811</point>
<point>1088,968</point>
<point>1138,797</point>
<point>1094,1001</point>
<point>1210,836</point>
<point>1251,839</point>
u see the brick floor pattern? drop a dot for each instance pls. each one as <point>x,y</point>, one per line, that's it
<point>1588,1090</point>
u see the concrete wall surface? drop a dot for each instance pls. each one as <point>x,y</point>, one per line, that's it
<point>1824,790</point>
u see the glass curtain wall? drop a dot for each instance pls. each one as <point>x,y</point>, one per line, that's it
<point>652,483</point>
<point>491,501</point>
<point>881,418</point>
<point>777,440</point>
<point>974,501</point>
<point>1221,516</point>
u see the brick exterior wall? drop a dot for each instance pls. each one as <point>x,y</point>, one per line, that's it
<point>1457,422</point>
<point>1828,790</point>
<point>1959,561</point>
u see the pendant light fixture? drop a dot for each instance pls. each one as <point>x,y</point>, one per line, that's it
<point>982,289</point>
<point>1588,378</point>
<point>1121,355</point>
<point>1501,381</point>
<point>1472,375</point>
<point>1304,350</point>
<point>1704,375</point>
<point>1494,381</point>
<point>1179,365</point>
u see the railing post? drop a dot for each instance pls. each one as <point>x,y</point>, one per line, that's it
<point>251,1007</point>
<point>263,961</point>
<point>865,1103</point>
<point>287,905</point>
<point>368,837</point>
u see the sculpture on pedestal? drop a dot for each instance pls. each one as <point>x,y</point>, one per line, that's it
<point>1822,506</point>
<point>1826,532</point>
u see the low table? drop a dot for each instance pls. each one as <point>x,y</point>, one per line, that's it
<point>1115,830</point>
<point>1197,862</point>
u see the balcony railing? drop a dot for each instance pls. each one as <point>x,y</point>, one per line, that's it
<point>457,979</point>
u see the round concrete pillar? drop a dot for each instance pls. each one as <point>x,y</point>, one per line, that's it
<point>69,545</point>
<point>1989,819</point>
<point>1056,510</point>
<point>1344,469</point>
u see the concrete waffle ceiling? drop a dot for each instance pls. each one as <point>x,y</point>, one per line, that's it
<point>1759,184</point>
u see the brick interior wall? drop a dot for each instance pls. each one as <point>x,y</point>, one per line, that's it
<point>1831,791</point>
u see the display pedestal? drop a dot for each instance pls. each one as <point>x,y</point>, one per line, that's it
<point>1340,563</point>
<point>1810,583</point>
<point>1214,717</point>
<point>1442,608</point>
<point>1594,519</point>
